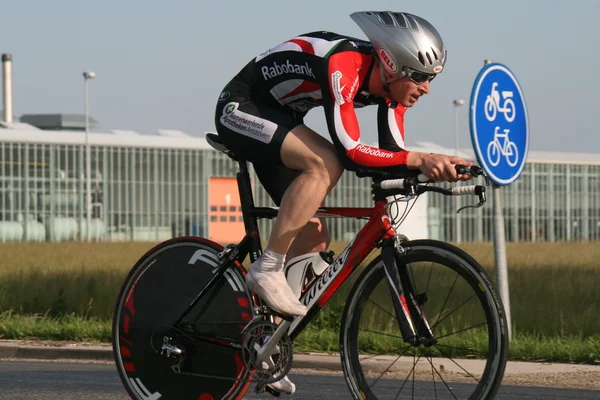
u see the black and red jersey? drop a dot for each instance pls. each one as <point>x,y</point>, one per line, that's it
<point>329,70</point>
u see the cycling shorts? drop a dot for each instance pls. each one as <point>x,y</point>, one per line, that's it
<point>255,132</point>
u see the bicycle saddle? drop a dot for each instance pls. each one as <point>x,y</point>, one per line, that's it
<point>216,143</point>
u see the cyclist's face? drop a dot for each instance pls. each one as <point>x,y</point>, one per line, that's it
<point>406,92</point>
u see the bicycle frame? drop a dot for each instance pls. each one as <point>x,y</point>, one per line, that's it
<point>377,232</point>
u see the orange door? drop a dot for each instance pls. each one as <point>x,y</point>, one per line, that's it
<point>225,211</point>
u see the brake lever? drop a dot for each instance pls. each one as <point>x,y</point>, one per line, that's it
<point>482,200</point>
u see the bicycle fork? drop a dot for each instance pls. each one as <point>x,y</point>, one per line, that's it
<point>407,303</point>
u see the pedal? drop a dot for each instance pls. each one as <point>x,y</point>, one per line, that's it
<point>272,391</point>
<point>260,388</point>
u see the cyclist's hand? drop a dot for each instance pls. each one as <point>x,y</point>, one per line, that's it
<point>440,167</point>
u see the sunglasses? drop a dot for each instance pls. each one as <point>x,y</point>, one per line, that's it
<point>417,76</point>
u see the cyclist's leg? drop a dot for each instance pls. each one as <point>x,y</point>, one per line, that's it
<point>313,237</point>
<point>306,151</point>
<point>312,234</point>
<point>267,135</point>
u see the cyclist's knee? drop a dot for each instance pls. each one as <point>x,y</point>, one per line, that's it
<point>305,150</point>
<point>327,171</point>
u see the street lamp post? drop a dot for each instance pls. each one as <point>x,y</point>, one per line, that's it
<point>457,103</point>
<point>87,75</point>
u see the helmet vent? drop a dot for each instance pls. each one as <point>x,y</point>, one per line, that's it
<point>386,18</point>
<point>400,20</point>
<point>412,22</point>
<point>434,54</point>
<point>429,58</point>
<point>390,19</point>
<point>421,58</point>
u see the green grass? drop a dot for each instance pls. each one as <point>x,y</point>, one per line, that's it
<point>44,327</point>
<point>523,347</point>
<point>68,291</point>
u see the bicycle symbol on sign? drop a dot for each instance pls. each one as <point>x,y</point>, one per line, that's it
<point>508,149</point>
<point>492,104</point>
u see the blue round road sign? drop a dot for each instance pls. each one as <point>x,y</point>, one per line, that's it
<point>499,125</point>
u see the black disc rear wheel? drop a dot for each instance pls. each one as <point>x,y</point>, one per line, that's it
<point>157,291</point>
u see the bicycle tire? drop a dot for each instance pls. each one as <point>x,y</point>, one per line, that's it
<point>360,371</point>
<point>156,292</point>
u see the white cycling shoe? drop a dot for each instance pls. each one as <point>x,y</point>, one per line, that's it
<point>273,289</point>
<point>283,385</point>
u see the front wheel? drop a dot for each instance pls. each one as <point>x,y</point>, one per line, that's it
<point>469,355</point>
<point>155,294</point>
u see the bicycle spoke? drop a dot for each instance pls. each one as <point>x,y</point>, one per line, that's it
<point>433,368</point>
<point>382,334</point>
<point>440,319</point>
<point>388,368</point>
<point>429,277</point>
<point>409,373</point>
<point>413,376</point>
<point>432,375</point>
<point>382,309</point>
<point>383,354</point>
<point>455,363</point>
<point>462,330</point>
<point>445,303</point>
<point>463,349</point>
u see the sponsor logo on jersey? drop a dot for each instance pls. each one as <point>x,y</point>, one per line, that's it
<point>276,70</point>
<point>372,151</point>
<point>247,124</point>
<point>224,96</point>
<point>336,77</point>
<point>230,108</point>
<point>387,60</point>
<point>353,89</point>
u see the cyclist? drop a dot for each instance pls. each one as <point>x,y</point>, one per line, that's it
<point>260,112</point>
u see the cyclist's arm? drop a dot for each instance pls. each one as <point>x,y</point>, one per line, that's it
<point>390,122</point>
<point>343,76</point>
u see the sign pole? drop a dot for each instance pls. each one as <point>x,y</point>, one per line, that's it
<point>500,255</point>
<point>500,250</point>
<point>500,138</point>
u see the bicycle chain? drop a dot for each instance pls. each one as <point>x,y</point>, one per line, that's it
<point>255,333</point>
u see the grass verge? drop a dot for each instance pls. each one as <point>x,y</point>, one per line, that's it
<point>524,347</point>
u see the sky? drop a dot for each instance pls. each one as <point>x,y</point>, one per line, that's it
<point>162,65</point>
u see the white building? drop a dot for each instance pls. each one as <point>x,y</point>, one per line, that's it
<point>154,187</point>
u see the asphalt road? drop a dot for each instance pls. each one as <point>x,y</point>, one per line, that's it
<point>20,380</point>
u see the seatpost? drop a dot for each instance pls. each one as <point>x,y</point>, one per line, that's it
<point>247,201</point>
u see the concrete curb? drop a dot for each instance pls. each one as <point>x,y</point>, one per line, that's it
<point>88,352</point>
<point>71,351</point>
<point>53,352</point>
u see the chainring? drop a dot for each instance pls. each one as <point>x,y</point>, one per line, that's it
<point>255,335</point>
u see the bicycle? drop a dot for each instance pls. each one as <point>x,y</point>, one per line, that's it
<point>508,149</point>
<point>186,327</point>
